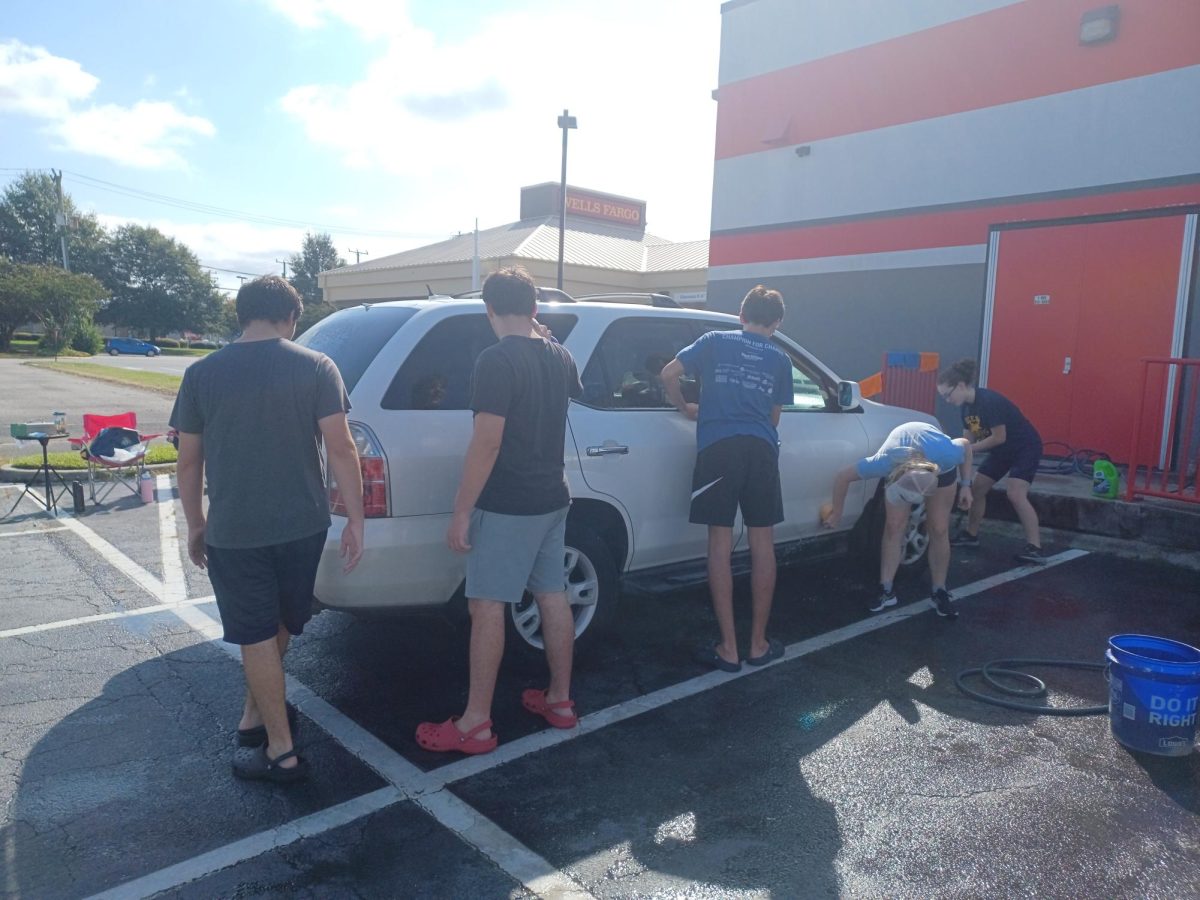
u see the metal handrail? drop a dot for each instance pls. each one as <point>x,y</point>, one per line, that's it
<point>1180,445</point>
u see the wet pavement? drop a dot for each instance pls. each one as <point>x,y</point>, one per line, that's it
<point>853,767</point>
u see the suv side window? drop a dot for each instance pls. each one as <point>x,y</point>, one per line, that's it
<point>437,373</point>
<point>623,372</point>
<point>811,390</point>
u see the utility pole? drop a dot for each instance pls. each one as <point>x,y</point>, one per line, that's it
<point>61,219</point>
<point>566,122</point>
<point>358,253</point>
<point>284,261</point>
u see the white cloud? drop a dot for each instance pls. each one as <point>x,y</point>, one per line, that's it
<point>34,83</point>
<point>371,18</point>
<point>148,134</point>
<point>249,249</point>
<point>445,120</point>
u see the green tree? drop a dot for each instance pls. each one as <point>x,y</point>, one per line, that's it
<point>317,254</point>
<point>29,231</point>
<point>16,301</point>
<point>157,285</point>
<point>62,302</point>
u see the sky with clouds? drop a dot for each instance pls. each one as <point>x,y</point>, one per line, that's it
<point>237,125</point>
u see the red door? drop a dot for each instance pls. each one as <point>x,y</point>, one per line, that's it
<point>1075,309</point>
<point>1130,283</point>
<point>1034,320</point>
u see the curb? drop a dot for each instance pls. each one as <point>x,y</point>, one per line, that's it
<point>14,475</point>
<point>1169,526</point>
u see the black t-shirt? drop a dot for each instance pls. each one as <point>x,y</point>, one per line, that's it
<point>991,409</point>
<point>529,382</point>
<point>257,405</point>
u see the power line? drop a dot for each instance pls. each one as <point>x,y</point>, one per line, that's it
<point>238,215</point>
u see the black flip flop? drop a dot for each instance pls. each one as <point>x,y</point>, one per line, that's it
<point>257,736</point>
<point>774,651</point>
<point>709,656</point>
<point>255,765</point>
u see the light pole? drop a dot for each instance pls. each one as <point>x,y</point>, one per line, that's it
<point>566,122</point>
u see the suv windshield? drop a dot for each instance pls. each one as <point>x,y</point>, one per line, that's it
<point>352,337</point>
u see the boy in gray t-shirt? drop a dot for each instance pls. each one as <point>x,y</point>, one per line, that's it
<point>251,416</point>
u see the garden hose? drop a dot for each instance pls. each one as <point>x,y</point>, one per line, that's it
<point>1037,688</point>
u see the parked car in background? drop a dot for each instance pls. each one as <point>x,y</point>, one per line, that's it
<point>407,366</point>
<point>117,345</point>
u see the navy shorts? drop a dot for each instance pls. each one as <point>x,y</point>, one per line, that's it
<point>1015,460</point>
<point>260,588</point>
<point>737,471</point>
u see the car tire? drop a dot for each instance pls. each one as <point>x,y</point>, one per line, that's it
<point>150,353</point>
<point>915,555</point>
<point>114,352</point>
<point>592,573</point>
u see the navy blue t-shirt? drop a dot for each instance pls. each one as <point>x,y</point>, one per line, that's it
<point>743,377</point>
<point>991,409</point>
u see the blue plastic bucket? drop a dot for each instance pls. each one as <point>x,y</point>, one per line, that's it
<point>1154,689</point>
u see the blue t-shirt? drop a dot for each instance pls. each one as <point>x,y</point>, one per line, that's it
<point>743,377</point>
<point>909,440</point>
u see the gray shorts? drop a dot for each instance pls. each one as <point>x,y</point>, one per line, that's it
<point>512,554</point>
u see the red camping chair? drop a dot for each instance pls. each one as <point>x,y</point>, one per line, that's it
<point>124,466</point>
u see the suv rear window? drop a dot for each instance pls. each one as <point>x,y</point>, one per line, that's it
<point>437,374</point>
<point>353,337</point>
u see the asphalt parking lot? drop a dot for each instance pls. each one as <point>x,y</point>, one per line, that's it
<point>852,767</point>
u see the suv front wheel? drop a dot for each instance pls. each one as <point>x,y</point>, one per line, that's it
<point>591,577</point>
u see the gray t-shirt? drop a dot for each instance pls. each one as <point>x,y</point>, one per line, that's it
<point>256,404</point>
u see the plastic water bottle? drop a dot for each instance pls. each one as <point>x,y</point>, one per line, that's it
<point>146,487</point>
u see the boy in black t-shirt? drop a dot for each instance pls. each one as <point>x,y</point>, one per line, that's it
<point>510,512</point>
<point>992,422</point>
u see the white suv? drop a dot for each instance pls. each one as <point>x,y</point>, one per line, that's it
<point>629,454</point>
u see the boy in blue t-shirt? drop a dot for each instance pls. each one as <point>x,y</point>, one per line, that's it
<point>745,381</point>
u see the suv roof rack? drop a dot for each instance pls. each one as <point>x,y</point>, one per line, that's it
<point>660,300</point>
<point>544,295</point>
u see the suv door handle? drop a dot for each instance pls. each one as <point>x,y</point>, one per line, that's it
<point>607,449</point>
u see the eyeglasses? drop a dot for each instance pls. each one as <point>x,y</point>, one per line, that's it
<point>945,394</point>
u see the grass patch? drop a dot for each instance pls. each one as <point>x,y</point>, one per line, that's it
<point>29,350</point>
<point>184,351</point>
<point>70,459</point>
<point>160,382</point>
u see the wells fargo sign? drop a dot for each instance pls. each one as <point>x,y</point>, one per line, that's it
<point>598,206</point>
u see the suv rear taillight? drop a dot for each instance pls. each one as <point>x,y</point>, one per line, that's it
<point>374,476</point>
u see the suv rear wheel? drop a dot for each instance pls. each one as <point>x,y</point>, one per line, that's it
<point>591,577</point>
<point>913,552</point>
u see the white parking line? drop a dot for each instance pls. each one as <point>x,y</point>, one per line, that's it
<point>510,855</point>
<point>32,531</point>
<point>429,789</point>
<point>255,845</point>
<point>105,617</point>
<point>474,765</point>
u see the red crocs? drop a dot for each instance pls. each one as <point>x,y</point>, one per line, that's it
<point>535,701</point>
<point>446,738</point>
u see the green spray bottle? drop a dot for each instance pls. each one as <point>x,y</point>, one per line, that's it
<point>1106,480</point>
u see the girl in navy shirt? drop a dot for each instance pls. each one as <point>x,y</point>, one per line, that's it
<point>993,423</point>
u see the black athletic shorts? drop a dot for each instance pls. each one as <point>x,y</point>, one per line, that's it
<point>945,479</point>
<point>1015,460</point>
<point>737,471</point>
<point>260,588</point>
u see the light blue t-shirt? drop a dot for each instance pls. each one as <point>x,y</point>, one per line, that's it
<point>743,377</point>
<point>907,441</point>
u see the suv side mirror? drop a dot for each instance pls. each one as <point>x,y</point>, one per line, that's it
<point>849,395</point>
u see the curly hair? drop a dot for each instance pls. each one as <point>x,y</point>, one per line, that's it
<point>965,371</point>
